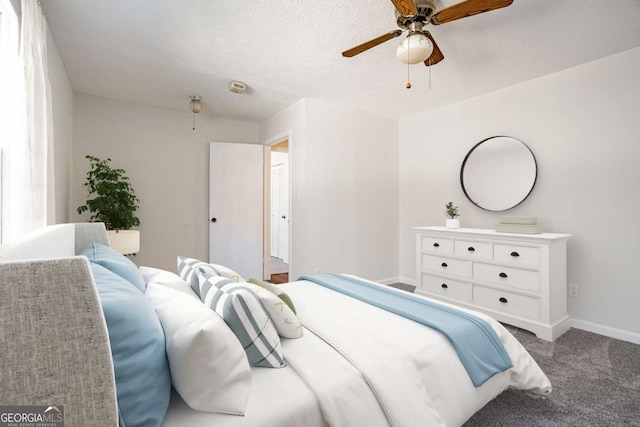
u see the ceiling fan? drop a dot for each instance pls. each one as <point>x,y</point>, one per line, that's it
<point>413,15</point>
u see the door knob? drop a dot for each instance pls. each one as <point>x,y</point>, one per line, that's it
<point>213,220</point>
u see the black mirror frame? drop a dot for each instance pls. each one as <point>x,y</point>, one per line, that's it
<point>464,162</point>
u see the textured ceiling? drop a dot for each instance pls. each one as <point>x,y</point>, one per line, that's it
<point>159,52</point>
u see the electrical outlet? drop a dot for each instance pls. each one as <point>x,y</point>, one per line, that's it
<point>574,290</point>
<point>316,270</point>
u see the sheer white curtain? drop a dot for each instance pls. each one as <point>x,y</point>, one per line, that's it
<point>29,187</point>
<point>12,118</point>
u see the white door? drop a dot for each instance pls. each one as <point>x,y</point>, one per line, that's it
<point>283,213</point>
<point>276,176</point>
<point>236,207</point>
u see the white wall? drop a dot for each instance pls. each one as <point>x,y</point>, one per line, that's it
<point>167,163</point>
<point>344,165</point>
<point>582,125</point>
<point>62,105</point>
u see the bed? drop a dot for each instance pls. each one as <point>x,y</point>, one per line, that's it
<point>355,363</point>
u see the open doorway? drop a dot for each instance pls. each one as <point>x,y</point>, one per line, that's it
<point>278,259</point>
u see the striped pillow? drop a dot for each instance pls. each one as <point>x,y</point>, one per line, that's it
<point>188,271</point>
<point>241,310</point>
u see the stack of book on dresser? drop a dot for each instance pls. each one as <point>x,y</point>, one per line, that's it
<point>519,224</point>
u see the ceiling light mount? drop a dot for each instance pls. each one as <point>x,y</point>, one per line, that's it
<point>196,106</point>
<point>426,9</point>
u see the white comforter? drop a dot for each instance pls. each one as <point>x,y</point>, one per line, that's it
<point>392,371</point>
<point>414,370</point>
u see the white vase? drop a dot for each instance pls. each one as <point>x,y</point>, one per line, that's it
<point>453,223</point>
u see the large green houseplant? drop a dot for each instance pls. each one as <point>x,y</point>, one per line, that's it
<point>112,201</point>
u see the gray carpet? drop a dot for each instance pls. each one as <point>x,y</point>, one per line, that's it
<point>595,379</point>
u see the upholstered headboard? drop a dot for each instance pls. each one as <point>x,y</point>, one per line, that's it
<point>53,336</point>
<point>56,241</point>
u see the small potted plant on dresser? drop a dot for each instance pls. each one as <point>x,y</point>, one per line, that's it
<point>452,213</point>
<point>112,201</point>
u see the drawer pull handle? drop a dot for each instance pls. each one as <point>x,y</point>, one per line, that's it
<point>436,245</point>
<point>503,275</point>
<point>444,264</point>
<point>444,286</point>
<point>515,254</point>
<point>503,300</point>
<point>471,249</point>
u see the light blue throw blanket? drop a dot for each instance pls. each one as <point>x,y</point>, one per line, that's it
<point>477,344</point>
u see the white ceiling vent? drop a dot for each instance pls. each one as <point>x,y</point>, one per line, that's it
<point>237,87</point>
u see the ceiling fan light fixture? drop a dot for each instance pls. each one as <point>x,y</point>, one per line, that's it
<point>414,49</point>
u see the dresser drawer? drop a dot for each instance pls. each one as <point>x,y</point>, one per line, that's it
<point>471,249</point>
<point>524,255</point>
<point>529,272</point>
<point>508,276</point>
<point>437,244</point>
<point>507,302</point>
<point>444,265</point>
<point>446,287</point>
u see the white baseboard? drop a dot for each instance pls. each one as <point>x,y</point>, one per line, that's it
<point>607,331</point>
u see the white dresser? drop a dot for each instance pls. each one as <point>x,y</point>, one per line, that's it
<point>519,279</point>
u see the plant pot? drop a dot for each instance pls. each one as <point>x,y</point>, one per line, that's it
<point>124,241</point>
<point>453,223</point>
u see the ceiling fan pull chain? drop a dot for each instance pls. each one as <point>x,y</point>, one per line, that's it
<point>429,73</point>
<point>408,78</point>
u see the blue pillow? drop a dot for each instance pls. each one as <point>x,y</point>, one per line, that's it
<point>143,379</point>
<point>115,262</point>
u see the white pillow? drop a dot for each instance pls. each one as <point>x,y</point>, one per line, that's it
<point>167,278</point>
<point>283,318</point>
<point>209,367</point>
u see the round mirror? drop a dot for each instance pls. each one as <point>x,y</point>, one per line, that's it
<point>498,173</point>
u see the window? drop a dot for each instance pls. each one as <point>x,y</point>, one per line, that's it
<point>26,139</point>
<point>25,114</point>
<point>9,84</point>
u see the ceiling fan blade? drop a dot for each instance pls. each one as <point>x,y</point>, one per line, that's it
<point>467,8</point>
<point>371,43</point>
<point>405,7</point>
<point>436,55</point>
